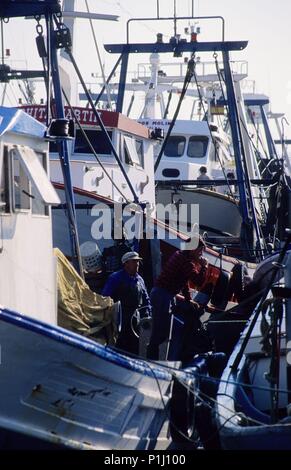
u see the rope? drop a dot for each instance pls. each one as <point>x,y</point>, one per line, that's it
<point>260,423</point>
<point>194,441</point>
<point>177,373</point>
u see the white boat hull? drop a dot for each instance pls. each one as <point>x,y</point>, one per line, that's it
<point>218,214</point>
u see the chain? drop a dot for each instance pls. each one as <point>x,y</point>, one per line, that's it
<point>191,67</point>
<point>63,36</point>
<point>39,27</point>
<point>60,21</point>
<point>262,209</point>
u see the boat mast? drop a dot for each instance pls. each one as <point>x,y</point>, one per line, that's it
<point>149,110</point>
<point>70,14</point>
<point>250,170</point>
<point>178,46</point>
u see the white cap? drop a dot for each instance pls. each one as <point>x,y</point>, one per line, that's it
<point>130,255</point>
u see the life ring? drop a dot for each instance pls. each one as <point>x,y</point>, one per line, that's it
<point>237,282</point>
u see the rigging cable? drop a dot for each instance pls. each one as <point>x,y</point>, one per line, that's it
<point>257,153</point>
<point>108,80</point>
<point>257,133</point>
<point>276,269</point>
<point>206,399</point>
<point>212,138</point>
<point>189,439</point>
<point>168,105</point>
<point>256,150</point>
<point>187,80</point>
<point>68,50</point>
<point>91,146</point>
<point>105,84</point>
<point>278,197</point>
<point>248,187</point>
<point>176,372</point>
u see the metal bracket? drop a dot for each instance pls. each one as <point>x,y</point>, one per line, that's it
<point>12,9</point>
<point>6,74</point>
<point>179,47</point>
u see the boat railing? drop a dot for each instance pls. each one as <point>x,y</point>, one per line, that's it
<point>176,71</point>
<point>175,19</point>
<point>275,270</point>
<point>179,69</point>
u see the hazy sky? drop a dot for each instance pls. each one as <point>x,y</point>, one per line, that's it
<point>266,24</point>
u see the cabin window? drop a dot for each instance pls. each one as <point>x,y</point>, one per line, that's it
<point>38,205</point>
<point>21,189</point>
<point>4,184</point>
<point>140,151</point>
<point>97,139</point>
<point>175,146</point>
<point>127,158</point>
<point>171,173</point>
<point>197,146</point>
<point>31,186</point>
<point>131,156</point>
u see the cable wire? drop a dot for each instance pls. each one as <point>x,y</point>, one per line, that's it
<point>91,147</point>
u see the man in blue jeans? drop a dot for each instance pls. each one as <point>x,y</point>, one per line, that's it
<point>183,266</point>
<point>129,288</point>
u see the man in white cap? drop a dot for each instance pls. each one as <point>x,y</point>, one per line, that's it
<point>129,288</point>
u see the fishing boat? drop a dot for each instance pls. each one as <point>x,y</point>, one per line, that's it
<point>80,394</point>
<point>68,391</point>
<point>59,389</point>
<point>102,175</point>
<point>188,145</point>
<point>253,399</point>
<point>241,219</point>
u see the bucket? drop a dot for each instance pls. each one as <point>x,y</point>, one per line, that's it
<point>91,256</point>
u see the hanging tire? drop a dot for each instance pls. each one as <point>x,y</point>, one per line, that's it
<point>182,415</point>
<point>219,296</point>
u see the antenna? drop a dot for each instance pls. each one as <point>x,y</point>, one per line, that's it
<point>2,41</point>
<point>175,13</point>
<point>175,19</point>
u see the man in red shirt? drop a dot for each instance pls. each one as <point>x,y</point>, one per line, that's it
<point>183,266</point>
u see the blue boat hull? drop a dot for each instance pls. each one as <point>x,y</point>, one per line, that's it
<point>68,391</point>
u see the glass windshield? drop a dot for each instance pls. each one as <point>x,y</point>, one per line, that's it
<point>197,146</point>
<point>175,146</point>
<point>97,140</point>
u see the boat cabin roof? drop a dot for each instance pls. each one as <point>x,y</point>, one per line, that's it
<point>17,121</point>
<point>111,119</point>
<point>182,126</point>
